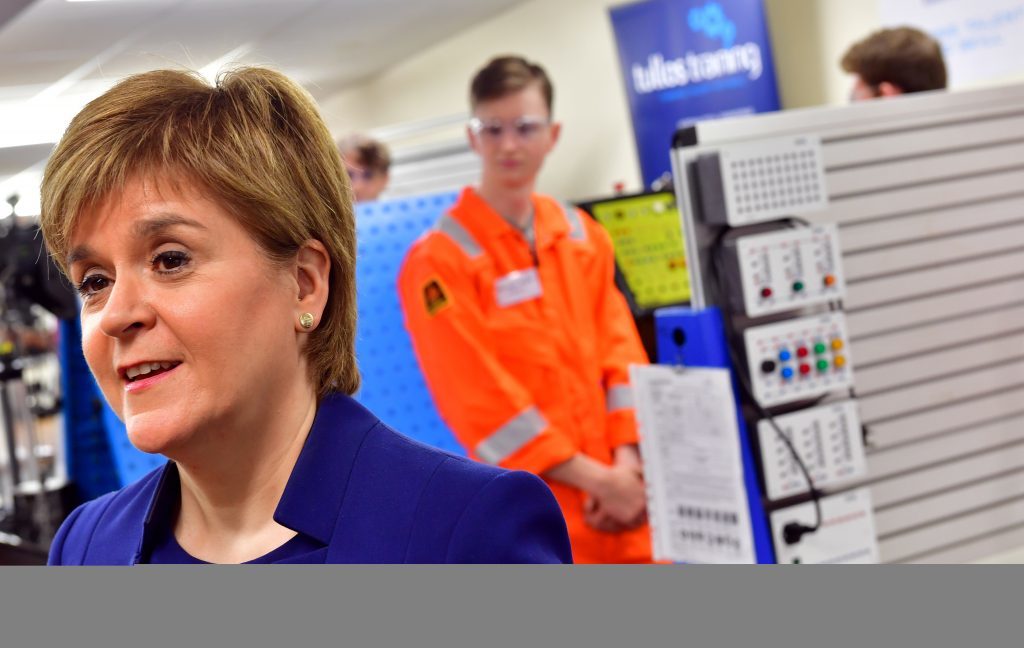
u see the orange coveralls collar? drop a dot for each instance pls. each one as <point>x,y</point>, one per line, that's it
<point>486,224</point>
<point>530,382</point>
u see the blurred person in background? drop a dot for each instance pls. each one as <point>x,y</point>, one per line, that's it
<point>368,163</point>
<point>520,330</point>
<point>892,62</point>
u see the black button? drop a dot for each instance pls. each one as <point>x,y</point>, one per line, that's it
<point>768,366</point>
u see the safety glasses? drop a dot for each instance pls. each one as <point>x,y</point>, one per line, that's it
<point>525,128</point>
<point>360,174</point>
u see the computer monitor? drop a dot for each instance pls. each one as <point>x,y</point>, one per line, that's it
<point>649,251</point>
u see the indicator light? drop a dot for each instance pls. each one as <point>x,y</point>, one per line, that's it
<point>837,344</point>
<point>819,348</point>
<point>802,352</point>
<point>830,281</point>
<point>805,369</point>
<point>798,286</point>
<point>840,361</point>
<point>822,365</point>
<point>766,292</point>
<point>787,373</point>
<point>785,355</point>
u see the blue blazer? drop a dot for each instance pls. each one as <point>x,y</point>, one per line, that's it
<point>363,492</point>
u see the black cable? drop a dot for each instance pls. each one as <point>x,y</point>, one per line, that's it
<point>792,531</point>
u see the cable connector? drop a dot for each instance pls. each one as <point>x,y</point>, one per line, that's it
<point>794,531</point>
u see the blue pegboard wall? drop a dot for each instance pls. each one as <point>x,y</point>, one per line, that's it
<point>393,385</point>
<point>100,457</point>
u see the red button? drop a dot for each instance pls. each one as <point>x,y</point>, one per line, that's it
<point>801,352</point>
<point>766,292</point>
<point>805,369</point>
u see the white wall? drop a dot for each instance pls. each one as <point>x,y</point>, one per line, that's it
<point>573,39</point>
<point>809,38</point>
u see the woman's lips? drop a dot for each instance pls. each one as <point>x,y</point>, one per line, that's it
<point>133,386</point>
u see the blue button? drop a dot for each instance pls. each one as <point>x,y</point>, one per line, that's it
<point>785,355</point>
<point>787,373</point>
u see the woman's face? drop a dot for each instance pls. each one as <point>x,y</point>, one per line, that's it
<point>187,327</point>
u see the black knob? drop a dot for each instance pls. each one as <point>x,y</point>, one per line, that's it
<point>679,337</point>
<point>768,366</point>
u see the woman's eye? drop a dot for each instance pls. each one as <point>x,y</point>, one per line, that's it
<point>170,261</point>
<point>92,285</point>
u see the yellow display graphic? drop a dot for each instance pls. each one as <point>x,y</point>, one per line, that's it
<point>648,237</point>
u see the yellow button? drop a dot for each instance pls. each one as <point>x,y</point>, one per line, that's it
<point>837,344</point>
<point>840,361</point>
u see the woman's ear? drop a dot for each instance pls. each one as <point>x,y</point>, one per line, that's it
<point>312,276</point>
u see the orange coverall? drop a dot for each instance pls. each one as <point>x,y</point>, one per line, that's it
<point>529,384</point>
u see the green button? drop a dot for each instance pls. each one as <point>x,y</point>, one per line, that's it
<point>819,348</point>
<point>822,365</point>
<point>798,286</point>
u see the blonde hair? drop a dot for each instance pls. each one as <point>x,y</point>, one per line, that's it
<point>255,141</point>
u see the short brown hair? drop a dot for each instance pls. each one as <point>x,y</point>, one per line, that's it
<point>367,153</point>
<point>903,56</point>
<point>506,75</point>
<point>255,141</point>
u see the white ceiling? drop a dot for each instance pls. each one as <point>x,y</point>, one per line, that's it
<point>55,55</point>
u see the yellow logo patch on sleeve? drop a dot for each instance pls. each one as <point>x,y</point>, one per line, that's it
<point>435,296</point>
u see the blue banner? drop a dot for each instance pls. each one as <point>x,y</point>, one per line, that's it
<point>685,61</point>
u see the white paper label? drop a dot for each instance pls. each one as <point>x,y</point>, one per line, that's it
<point>517,287</point>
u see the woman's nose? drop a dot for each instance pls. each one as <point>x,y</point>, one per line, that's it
<point>127,309</point>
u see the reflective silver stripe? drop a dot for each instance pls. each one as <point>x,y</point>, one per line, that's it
<point>517,432</point>
<point>459,234</point>
<point>618,397</point>
<point>576,231</point>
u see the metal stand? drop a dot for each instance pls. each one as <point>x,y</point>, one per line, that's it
<point>30,516</point>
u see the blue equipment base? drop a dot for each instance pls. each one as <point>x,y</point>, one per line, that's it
<point>705,345</point>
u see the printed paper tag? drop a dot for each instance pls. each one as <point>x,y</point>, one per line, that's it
<point>517,287</point>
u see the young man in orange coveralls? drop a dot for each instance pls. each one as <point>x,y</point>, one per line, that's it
<point>523,337</point>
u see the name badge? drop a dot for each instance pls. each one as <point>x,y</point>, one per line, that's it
<point>517,287</point>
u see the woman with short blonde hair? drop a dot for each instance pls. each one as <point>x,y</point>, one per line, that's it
<point>209,230</point>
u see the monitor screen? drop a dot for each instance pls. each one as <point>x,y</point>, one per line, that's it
<point>649,252</point>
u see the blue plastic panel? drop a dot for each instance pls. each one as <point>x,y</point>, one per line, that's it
<point>393,385</point>
<point>100,457</point>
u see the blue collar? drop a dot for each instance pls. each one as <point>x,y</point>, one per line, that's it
<point>316,488</point>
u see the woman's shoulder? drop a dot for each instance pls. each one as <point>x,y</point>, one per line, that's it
<point>466,511</point>
<point>106,530</point>
<point>407,456</point>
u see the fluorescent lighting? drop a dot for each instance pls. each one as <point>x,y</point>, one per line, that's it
<point>211,69</point>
